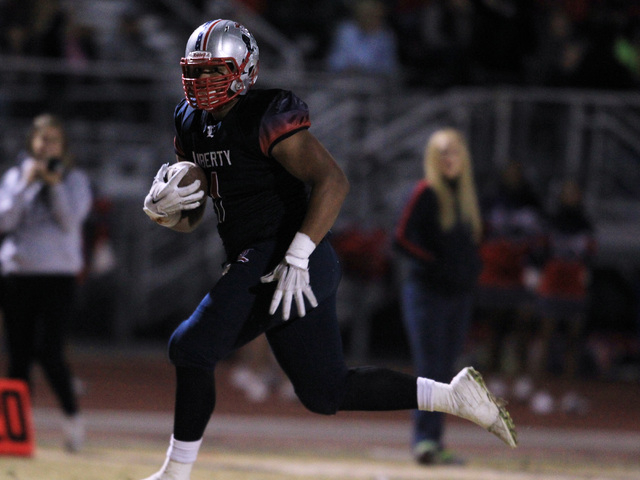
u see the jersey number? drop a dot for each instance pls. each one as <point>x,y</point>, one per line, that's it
<point>217,199</point>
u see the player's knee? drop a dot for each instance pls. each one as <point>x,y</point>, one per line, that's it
<point>185,352</point>
<point>319,402</point>
<point>175,349</point>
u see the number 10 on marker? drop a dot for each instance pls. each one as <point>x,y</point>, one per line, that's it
<point>16,426</point>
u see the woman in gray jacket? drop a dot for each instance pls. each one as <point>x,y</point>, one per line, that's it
<point>44,201</point>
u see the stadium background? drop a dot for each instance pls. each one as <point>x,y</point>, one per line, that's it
<point>118,98</point>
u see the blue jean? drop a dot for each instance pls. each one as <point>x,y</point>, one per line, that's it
<point>436,325</point>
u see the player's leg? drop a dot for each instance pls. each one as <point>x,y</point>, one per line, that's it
<point>217,327</point>
<point>195,402</point>
<point>307,351</point>
<point>310,352</point>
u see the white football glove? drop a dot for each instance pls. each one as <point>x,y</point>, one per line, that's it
<point>165,201</point>
<point>292,274</point>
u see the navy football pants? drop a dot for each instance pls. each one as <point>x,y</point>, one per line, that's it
<point>308,349</point>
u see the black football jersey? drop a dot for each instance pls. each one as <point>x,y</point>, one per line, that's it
<point>254,197</point>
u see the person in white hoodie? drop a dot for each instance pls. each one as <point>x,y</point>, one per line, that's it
<point>44,200</point>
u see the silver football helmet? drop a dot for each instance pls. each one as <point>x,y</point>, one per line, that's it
<point>228,53</point>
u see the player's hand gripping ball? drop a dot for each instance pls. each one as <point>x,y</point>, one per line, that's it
<point>194,172</point>
<point>178,191</point>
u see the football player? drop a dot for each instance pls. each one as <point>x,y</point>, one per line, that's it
<point>276,192</point>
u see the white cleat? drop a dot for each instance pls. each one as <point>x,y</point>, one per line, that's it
<point>172,470</point>
<point>74,433</point>
<point>473,401</point>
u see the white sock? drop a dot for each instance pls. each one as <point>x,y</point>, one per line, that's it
<point>183,452</point>
<point>173,470</point>
<point>425,396</point>
<point>434,396</point>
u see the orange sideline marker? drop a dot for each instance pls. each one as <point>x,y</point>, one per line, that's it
<point>16,424</point>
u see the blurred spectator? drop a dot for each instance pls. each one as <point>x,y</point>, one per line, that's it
<point>600,68</point>
<point>504,39</point>
<point>127,42</point>
<point>47,29</point>
<point>562,293</point>
<point>43,28</point>
<point>562,299</point>
<point>560,49</point>
<point>447,32</point>
<point>438,236</point>
<point>97,297</point>
<point>510,251</point>
<point>364,256</point>
<point>258,374</point>
<point>627,48</point>
<point>33,27</point>
<point>309,27</point>
<point>14,20</point>
<point>586,56</point>
<point>141,33</point>
<point>438,53</point>
<point>44,200</point>
<point>363,252</point>
<point>80,48</point>
<point>258,6</point>
<point>406,18</point>
<point>364,42</point>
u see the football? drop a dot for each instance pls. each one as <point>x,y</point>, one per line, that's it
<point>194,173</point>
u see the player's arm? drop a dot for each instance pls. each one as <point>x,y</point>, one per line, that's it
<point>305,158</point>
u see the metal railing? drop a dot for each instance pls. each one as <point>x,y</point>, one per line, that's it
<point>120,123</point>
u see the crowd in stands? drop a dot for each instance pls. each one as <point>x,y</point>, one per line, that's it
<point>440,43</point>
<point>44,28</point>
<point>534,290</point>
<point>431,43</point>
<point>535,285</point>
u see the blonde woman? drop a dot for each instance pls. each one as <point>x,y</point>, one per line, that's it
<point>44,201</point>
<point>437,238</point>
